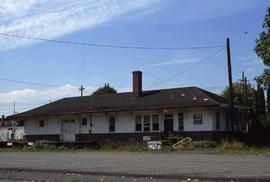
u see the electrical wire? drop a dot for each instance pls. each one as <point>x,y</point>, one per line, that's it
<point>28,82</point>
<point>110,45</point>
<point>187,69</point>
<point>40,104</point>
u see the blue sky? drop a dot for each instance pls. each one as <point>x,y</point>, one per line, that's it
<point>152,23</point>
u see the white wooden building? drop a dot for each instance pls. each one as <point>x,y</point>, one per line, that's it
<point>137,115</point>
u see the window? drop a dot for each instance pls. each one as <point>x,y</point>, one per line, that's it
<point>181,121</point>
<point>197,119</point>
<point>138,123</point>
<point>217,120</point>
<point>227,122</point>
<point>112,124</point>
<point>84,121</point>
<point>41,123</point>
<point>155,122</point>
<point>146,123</point>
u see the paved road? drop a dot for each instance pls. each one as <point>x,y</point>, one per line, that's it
<point>145,164</point>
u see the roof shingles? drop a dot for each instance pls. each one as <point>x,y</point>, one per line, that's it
<point>153,99</point>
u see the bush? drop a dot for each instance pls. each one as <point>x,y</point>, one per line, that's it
<point>62,148</point>
<point>41,146</point>
<point>232,145</point>
<point>204,144</point>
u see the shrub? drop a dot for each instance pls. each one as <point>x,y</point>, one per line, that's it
<point>62,148</point>
<point>42,145</point>
<point>232,145</point>
<point>204,144</point>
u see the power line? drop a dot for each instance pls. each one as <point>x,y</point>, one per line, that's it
<point>110,45</point>
<point>40,104</point>
<point>187,69</point>
<point>28,82</point>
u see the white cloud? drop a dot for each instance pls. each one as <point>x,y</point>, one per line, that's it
<point>49,19</point>
<point>15,8</point>
<point>253,62</point>
<point>27,94</point>
<point>30,98</point>
<point>144,13</point>
<point>181,57</point>
<point>182,61</point>
<point>249,69</point>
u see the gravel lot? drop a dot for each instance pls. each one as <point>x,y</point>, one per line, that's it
<point>170,164</point>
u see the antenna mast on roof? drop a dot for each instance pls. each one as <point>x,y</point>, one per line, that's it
<point>14,107</point>
<point>81,89</point>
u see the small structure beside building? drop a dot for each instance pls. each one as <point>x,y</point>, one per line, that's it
<point>10,133</point>
<point>138,115</point>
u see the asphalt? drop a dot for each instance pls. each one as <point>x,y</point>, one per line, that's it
<point>139,165</point>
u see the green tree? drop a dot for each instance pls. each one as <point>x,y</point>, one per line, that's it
<point>268,101</point>
<point>261,108</point>
<point>106,89</point>
<point>238,97</point>
<point>262,49</point>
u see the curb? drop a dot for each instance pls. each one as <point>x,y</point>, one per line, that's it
<point>137,175</point>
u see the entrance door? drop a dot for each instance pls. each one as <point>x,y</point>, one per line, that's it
<point>69,130</point>
<point>168,124</point>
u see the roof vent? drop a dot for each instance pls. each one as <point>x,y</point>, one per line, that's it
<point>183,95</point>
<point>194,97</point>
<point>205,99</point>
<point>171,96</point>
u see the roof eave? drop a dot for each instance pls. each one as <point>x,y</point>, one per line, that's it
<point>110,110</point>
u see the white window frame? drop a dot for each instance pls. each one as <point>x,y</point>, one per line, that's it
<point>110,124</point>
<point>149,123</point>
<point>83,121</point>
<point>183,115</point>
<point>197,121</point>
<point>141,123</point>
<point>158,122</point>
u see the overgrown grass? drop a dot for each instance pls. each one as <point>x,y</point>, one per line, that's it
<point>226,147</point>
<point>236,147</point>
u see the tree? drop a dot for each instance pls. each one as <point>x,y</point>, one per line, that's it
<point>262,49</point>
<point>261,108</point>
<point>106,89</point>
<point>268,101</point>
<point>238,93</point>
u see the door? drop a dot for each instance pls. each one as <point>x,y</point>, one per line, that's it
<point>168,124</point>
<point>69,130</point>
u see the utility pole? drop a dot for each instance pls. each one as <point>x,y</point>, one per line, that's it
<point>230,82</point>
<point>81,89</point>
<point>246,90</point>
<point>243,87</point>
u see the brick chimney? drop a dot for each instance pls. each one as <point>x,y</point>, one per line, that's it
<point>137,83</point>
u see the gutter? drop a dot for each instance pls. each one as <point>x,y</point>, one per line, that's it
<point>108,110</point>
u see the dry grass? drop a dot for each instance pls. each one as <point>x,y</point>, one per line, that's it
<point>232,145</point>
